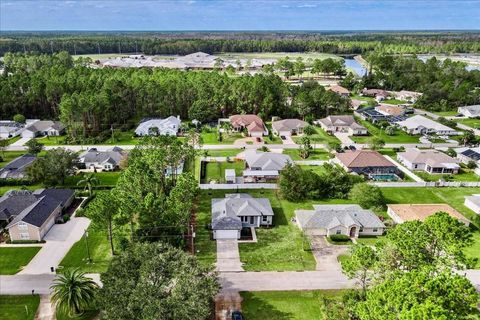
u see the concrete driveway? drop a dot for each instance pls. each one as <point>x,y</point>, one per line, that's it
<point>59,240</point>
<point>228,256</point>
<point>344,138</point>
<point>326,254</point>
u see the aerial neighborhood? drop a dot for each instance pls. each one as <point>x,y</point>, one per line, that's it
<point>206,176</point>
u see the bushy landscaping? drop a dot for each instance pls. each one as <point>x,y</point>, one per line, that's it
<point>18,307</point>
<point>13,259</point>
<point>463,175</point>
<point>286,305</point>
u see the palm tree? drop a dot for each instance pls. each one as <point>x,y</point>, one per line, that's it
<point>73,292</point>
<point>89,181</point>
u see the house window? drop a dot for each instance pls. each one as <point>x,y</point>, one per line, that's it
<point>24,236</point>
<point>244,219</point>
<point>338,232</point>
<point>22,226</point>
<point>416,166</point>
<point>375,230</point>
<point>252,220</point>
<point>361,229</point>
<point>264,218</point>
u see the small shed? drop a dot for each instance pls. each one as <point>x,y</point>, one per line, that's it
<point>230,176</point>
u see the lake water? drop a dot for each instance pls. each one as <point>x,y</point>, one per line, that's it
<point>355,66</point>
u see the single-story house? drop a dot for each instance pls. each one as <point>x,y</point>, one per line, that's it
<point>17,168</point>
<point>346,124</point>
<point>250,122</point>
<point>344,92</point>
<point>10,129</point>
<point>409,212</point>
<point>356,104</point>
<point>378,94</point>
<point>421,125</point>
<point>288,127</point>
<point>107,160</point>
<point>237,211</point>
<point>470,111</point>
<point>264,166</point>
<point>30,215</point>
<point>163,127</point>
<point>410,96</point>
<point>390,110</point>
<point>346,219</point>
<point>430,160</point>
<point>35,128</point>
<point>465,154</point>
<point>473,203</point>
<point>366,162</point>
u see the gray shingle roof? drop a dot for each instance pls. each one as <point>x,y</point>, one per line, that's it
<point>226,212</point>
<point>15,169</point>
<point>113,156</point>
<point>37,213</point>
<point>330,216</point>
<point>266,160</point>
<point>15,201</point>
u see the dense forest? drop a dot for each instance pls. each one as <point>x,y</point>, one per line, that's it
<point>214,42</point>
<point>91,100</point>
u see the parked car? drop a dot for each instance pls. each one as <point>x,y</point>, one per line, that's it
<point>283,138</point>
<point>258,139</point>
<point>237,315</point>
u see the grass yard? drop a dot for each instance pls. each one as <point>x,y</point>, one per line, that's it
<point>12,140</point>
<point>369,241</point>
<point>12,260</point>
<point>317,154</point>
<point>52,141</point>
<point>88,315</point>
<point>451,196</point>
<point>123,138</point>
<point>319,137</point>
<point>227,138</point>
<point>105,179</point>
<point>99,247</point>
<point>215,171</point>
<point>18,307</point>
<point>8,156</point>
<point>463,175</point>
<point>394,101</point>
<point>4,189</point>
<point>446,113</point>
<point>286,305</point>
<point>399,137</point>
<point>363,98</point>
<point>471,122</point>
<point>221,153</point>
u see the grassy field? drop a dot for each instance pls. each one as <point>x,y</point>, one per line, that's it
<point>221,153</point>
<point>105,179</point>
<point>399,137</point>
<point>474,123</point>
<point>14,139</point>
<point>319,137</point>
<point>227,138</point>
<point>215,171</point>
<point>446,113</point>
<point>317,154</point>
<point>51,141</point>
<point>13,259</point>
<point>363,98</point>
<point>99,247</point>
<point>8,156</point>
<point>393,101</point>
<point>286,305</point>
<point>18,307</point>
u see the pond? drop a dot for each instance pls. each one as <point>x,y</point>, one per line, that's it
<point>355,66</point>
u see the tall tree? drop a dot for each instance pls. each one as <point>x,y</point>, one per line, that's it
<point>88,181</point>
<point>103,211</point>
<point>54,167</point>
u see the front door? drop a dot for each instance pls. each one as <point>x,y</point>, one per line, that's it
<point>353,231</point>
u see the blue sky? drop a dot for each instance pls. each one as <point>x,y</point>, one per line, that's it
<point>238,15</point>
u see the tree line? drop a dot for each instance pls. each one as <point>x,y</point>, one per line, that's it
<point>185,43</point>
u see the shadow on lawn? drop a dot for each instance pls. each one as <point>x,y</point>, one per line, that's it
<point>256,308</point>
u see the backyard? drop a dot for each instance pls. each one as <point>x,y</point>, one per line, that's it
<point>13,259</point>
<point>316,154</point>
<point>105,179</point>
<point>215,171</point>
<point>286,305</point>
<point>471,122</point>
<point>374,131</point>
<point>320,136</point>
<point>463,175</point>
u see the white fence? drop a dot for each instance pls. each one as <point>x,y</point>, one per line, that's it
<point>426,184</point>
<point>230,186</point>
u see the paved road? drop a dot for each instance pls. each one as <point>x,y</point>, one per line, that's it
<point>59,240</point>
<point>228,256</point>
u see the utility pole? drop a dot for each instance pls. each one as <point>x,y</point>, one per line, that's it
<point>98,46</point>
<point>119,48</point>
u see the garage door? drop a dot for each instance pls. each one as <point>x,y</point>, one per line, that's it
<point>226,234</point>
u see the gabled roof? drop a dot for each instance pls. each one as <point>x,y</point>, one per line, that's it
<point>113,156</point>
<point>15,201</point>
<point>339,89</point>
<point>419,121</point>
<point>474,109</point>
<point>244,120</point>
<point>226,212</point>
<point>170,124</point>
<point>363,158</point>
<point>341,121</point>
<point>390,109</point>
<point>37,213</point>
<point>331,216</point>
<point>266,160</point>
<point>288,125</point>
<point>44,125</point>
<point>433,158</point>
<point>16,168</point>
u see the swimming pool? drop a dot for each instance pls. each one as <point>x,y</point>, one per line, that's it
<point>384,177</point>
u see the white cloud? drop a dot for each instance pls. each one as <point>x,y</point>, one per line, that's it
<point>307,6</point>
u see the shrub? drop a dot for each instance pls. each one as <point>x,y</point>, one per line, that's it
<point>367,196</point>
<point>339,238</point>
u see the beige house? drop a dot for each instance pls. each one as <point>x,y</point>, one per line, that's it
<point>288,127</point>
<point>344,92</point>
<point>430,160</point>
<point>349,219</point>
<point>253,124</point>
<point>409,212</point>
<point>345,124</point>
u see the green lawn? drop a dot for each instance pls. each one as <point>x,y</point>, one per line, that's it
<point>4,189</point>
<point>319,137</point>
<point>99,247</point>
<point>399,137</point>
<point>14,139</point>
<point>105,179</point>
<point>13,259</point>
<point>123,138</point>
<point>52,141</point>
<point>221,153</point>
<point>215,171</point>
<point>370,241</point>
<point>286,305</point>
<point>471,122</point>
<point>18,307</point>
<point>317,154</point>
<point>8,156</point>
<point>446,113</point>
<point>463,175</point>
<point>281,247</point>
<point>211,137</point>
<point>474,250</point>
<point>394,101</point>
<point>88,315</point>
<point>363,98</point>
